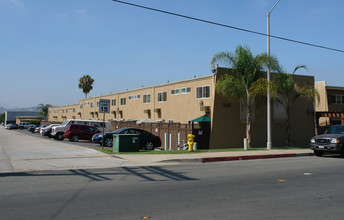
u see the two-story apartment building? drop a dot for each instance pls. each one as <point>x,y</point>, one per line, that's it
<point>186,100</point>
<point>330,109</point>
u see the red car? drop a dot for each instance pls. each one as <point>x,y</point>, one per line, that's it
<point>76,132</point>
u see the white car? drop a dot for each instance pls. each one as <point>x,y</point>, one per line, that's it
<point>42,127</point>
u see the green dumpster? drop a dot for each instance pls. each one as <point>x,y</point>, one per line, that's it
<point>126,143</point>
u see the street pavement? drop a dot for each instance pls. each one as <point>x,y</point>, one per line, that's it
<point>20,153</point>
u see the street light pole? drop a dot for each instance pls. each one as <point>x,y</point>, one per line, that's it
<point>268,105</point>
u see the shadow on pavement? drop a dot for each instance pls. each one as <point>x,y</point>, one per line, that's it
<point>145,173</point>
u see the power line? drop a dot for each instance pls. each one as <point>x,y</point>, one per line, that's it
<point>228,26</point>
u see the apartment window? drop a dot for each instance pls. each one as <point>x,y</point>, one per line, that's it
<point>175,91</point>
<point>134,97</point>
<point>97,104</point>
<point>338,99</point>
<point>92,104</point>
<point>162,96</point>
<point>73,109</point>
<point>146,98</point>
<point>185,90</point>
<point>113,102</point>
<point>203,92</point>
<point>123,101</point>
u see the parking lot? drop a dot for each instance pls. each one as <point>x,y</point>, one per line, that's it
<point>21,150</point>
<point>81,143</point>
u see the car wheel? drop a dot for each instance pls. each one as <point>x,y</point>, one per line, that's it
<point>108,142</point>
<point>74,138</point>
<point>149,145</point>
<point>59,136</point>
<point>318,153</point>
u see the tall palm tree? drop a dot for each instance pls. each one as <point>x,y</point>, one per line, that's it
<point>245,80</point>
<point>287,92</point>
<point>85,83</point>
<point>43,110</point>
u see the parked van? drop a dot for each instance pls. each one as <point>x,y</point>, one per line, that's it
<point>57,131</point>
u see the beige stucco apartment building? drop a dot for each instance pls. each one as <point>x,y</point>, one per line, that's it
<point>182,101</point>
<point>330,108</point>
<point>172,102</point>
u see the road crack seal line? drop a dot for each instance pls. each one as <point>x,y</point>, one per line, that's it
<point>9,157</point>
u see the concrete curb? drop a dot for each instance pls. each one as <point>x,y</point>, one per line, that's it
<point>254,157</point>
<point>232,158</point>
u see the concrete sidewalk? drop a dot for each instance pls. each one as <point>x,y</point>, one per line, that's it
<point>20,153</point>
<point>212,157</point>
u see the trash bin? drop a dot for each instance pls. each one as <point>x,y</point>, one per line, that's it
<point>126,143</point>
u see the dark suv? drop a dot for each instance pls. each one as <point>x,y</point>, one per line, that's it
<point>77,132</point>
<point>332,141</point>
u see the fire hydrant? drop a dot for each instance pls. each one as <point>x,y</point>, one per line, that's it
<point>191,141</point>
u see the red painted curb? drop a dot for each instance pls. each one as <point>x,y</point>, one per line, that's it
<point>253,157</point>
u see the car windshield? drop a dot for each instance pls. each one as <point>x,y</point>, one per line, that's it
<point>336,130</point>
<point>64,123</point>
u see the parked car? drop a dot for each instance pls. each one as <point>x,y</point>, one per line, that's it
<point>147,140</point>
<point>42,127</point>
<point>37,129</point>
<point>76,132</point>
<point>47,130</point>
<point>330,142</point>
<point>23,125</point>
<point>12,126</point>
<point>58,131</point>
<point>32,128</point>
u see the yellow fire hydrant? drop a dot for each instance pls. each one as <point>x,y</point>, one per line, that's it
<point>191,141</point>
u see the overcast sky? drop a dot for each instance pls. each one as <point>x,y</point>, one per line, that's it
<point>46,46</point>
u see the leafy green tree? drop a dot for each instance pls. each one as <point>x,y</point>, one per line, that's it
<point>43,110</point>
<point>86,84</point>
<point>288,91</point>
<point>245,80</point>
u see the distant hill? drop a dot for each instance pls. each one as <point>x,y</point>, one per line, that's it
<point>2,109</point>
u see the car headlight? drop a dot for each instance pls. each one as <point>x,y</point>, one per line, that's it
<point>313,140</point>
<point>334,140</point>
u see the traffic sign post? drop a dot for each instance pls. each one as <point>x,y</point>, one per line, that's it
<point>104,107</point>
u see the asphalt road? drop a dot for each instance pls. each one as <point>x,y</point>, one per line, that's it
<point>288,188</point>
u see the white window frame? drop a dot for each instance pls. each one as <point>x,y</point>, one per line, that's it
<point>123,101</point>
<point>113,102</point>
<point>174,91</point>
<point>144,98</point>
<point>203,91</point>
<point>162,96</point>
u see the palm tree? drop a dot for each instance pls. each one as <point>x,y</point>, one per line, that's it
<point>245,80</point>
<point>85,83</point>
<point>43,110</point>
<point>287,92</point>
